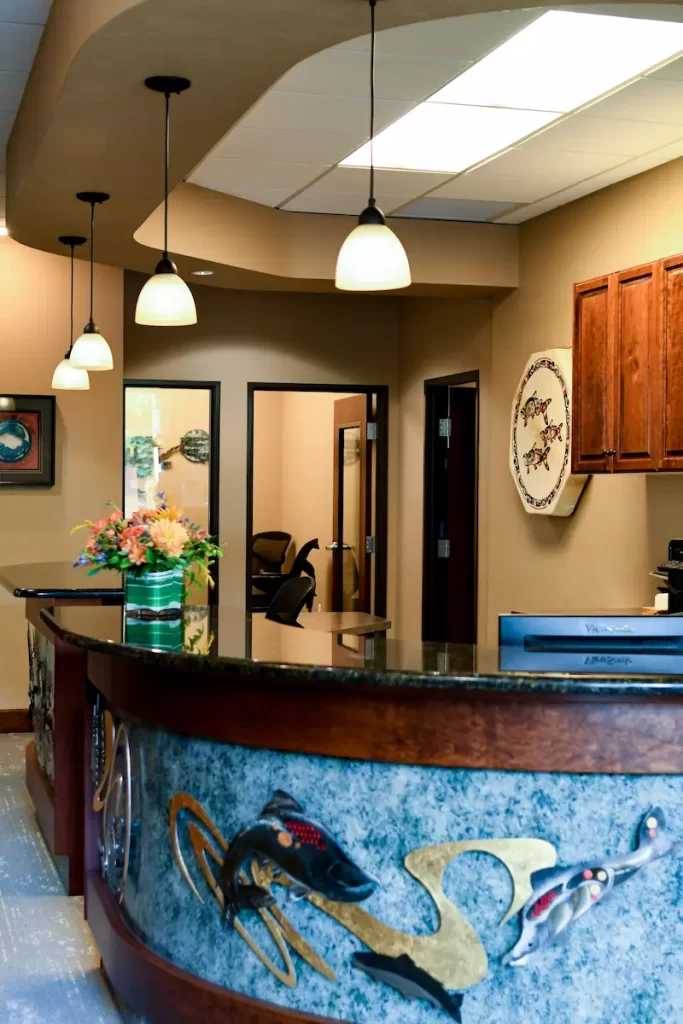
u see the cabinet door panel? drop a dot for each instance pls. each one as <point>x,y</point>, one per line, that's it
<point>637,372</point>
<point>672,370</point>
<point>592,378</point>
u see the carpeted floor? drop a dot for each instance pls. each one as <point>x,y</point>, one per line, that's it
<point>49,967</point>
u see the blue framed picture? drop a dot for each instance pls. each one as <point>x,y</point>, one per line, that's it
<point>27,441</point>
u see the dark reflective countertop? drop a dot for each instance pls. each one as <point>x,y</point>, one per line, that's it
<point>221,638</point>
<point>59,580</point>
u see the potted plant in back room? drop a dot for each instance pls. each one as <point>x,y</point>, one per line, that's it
<point>158,551</point>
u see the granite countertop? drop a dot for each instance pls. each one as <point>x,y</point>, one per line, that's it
<point>59,580</point>
<point>223,638</point>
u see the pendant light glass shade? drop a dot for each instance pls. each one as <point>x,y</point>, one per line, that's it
<point>7,404</point>
<point>68,377</point>
<point>166,300</point>
<point>372,259</point>
<point>91,351</point>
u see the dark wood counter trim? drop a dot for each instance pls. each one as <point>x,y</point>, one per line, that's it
<point>15,721</point>
<point>161,992</point>
<point>523,731</point>
<point>42,795</point>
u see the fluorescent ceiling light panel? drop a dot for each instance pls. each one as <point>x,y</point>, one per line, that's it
<point>563,60</point>
<point>555,65</point>
<point>447,137</point>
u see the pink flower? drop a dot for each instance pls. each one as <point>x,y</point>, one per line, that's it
<point>132,533</point>
<point>100,524</point>
<point>169,537</point>
<point>115,516</point>
<point>110,533</point>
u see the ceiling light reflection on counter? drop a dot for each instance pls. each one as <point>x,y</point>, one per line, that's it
<point>68,377</point>
<point>91,351</point>
<point>166,300</point>
<point>372,258</point>
<point>555,65</point>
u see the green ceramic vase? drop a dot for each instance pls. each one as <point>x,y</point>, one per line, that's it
<point>155,595</point>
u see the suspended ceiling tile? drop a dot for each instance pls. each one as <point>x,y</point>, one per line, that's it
<point>351,203</point>
<point>6,122</point>
<point>503,189</point>
<point>18,46</point>
<point>387,182</point>
<point>647,99</point>
<point>12,85</point>
<point>225,175</point>
<point>247,143</point>
<point>30,12</point>
<point>339,72</point>
<point>462,38</point>
<point>303,112</point>
<point>547,166</point>
<point>454,209</point>
<point>587,134</point>
<point>673,70</point>
<point>264,196</point>
<point>3,185</point>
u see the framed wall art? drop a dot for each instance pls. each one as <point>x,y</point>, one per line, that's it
<point>27,441</point>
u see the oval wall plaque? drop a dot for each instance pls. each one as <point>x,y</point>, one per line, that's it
<point>540,436</point>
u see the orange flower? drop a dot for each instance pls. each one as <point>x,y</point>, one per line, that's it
<point>169,537</point>
<point>171,512</point>
<point>137,555</point>
<point>131,533</point>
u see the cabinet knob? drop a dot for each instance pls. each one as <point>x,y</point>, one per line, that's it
<point>609,451</point>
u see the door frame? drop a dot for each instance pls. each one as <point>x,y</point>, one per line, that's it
<point>214,389</point>
<point>381,391</point>
<point>429,532</point>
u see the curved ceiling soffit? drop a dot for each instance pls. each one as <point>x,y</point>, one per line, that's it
<point>88,123</point>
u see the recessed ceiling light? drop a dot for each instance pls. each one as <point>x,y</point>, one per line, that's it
<point>555,65</point>
<point>203,273</point>
<point>448,137</point>
<point>563,60</point>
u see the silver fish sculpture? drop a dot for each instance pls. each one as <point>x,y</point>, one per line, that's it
<point>561,895</point>
<point>403,974</point>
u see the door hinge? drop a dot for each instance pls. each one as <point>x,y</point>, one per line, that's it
<point>371,433</point>
<point>370,545</point>
<point>443,549</point>
<point>445,428</point>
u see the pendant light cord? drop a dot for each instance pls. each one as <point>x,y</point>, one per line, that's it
<point>371,201</point>
<point>71,334</point>
<point>92,258</point>
<point>167,159</point>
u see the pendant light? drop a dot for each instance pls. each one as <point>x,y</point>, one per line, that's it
<point>7,404</point>
<point>166,300</point>
<point>372,259</point>
<point>91,351</point>
<point>68,377</point>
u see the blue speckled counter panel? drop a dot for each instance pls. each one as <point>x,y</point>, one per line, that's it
<point>622,963</point>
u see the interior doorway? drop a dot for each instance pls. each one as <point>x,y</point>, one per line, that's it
<point>317,494</point>
<point>449,583</point>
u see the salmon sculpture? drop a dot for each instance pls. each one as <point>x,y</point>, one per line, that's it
<point>561,895</point>
<point>300,848</point>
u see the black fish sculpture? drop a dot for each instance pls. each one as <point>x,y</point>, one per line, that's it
<point>302,849</point>
<point>561,895</point>
<point>403,974</point>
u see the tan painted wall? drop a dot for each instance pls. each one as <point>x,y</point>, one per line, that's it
<point>294,473</point>
<point>598,558</point>
<point>249,336</point>
<point>35,522</point>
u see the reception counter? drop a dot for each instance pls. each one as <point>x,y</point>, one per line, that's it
<point>298,826</point>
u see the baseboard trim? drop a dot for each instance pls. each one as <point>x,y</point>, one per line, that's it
<point>15,721</point>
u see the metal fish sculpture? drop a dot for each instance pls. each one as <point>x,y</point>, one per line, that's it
<point>302,849</point>
<point>552,432</point>
<point>403,974</point>
<point>536,457</point>
<point>561,895</point>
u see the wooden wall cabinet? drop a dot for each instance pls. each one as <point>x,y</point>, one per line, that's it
<point>628,371</point>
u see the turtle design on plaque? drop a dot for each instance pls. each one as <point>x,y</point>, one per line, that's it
<point>541,442</point>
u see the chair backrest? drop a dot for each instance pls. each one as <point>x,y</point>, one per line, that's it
<point>289,600</point>
<point>301,563</point>
<point>268,550</point>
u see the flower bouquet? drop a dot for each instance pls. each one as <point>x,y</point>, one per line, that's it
<point>157,550</point>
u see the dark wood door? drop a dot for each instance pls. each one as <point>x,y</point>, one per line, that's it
<point>593,378</point>
<point>450,544</point>
<point>636,434</point>
<point>671,336</point>
<point>352,516</point>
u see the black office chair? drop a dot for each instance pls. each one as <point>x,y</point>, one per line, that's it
<point>270,585</point>
<point>269,550</point>
<point>289,601</point>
